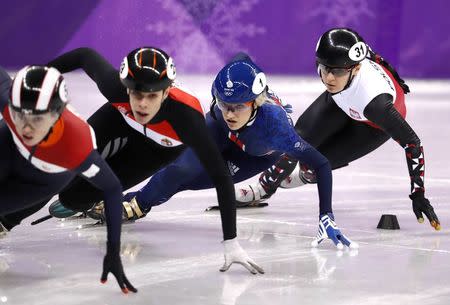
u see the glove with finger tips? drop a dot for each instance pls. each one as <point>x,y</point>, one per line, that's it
<point>112,263</point>
<point>329,229</point>
<point>234,253</point>
<point>420,205</point>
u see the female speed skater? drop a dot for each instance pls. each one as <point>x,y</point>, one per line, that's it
<point>363,107</point>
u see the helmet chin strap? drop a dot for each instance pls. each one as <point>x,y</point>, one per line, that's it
<point>252,115</point>
<point>211,108</point>
<point>251,118</point>
<point>47,136</point>
<point>155,116</point>
<point>33,148</point>
<point>349,80</point>
<point>50,130</point>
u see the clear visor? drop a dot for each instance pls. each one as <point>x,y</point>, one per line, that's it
<point>338,72</point>
<point>225,107</point>
<point>35,121</point>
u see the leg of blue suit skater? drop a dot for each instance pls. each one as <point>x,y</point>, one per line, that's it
<point>187,173</point>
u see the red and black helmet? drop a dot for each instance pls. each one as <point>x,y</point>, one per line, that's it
<point>147,69</point>
<point>38,89</point>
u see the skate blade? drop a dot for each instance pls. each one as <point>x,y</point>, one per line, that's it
<point>240,206</point>
<point>91,225</point>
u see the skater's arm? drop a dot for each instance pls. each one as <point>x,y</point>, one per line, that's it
<point>381,111</point>
<point>316,161</point>
<point>193,131</point>
<point>284,138</point>
<point>98,173</point>
<point>96,66</point>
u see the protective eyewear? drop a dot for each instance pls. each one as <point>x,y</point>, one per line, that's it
<point>34,120</point>
<point>225,107</point>
<point>337,72</point>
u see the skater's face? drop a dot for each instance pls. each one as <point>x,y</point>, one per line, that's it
<point>236,115</point>
<point>33,128</point>
<point>335,79</point>
<point>145,105</point>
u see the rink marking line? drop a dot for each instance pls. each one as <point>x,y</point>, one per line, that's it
<point>429,179</point>
<point>184,215</point>
<point>188,215</point>
<point>242,221</point>
<point>291,223</point>
<point>407,247</point>
<point>364,242</point>
<point>186,267</point>
<point>252,220</point>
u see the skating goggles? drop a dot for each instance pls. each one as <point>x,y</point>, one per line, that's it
<point>36,121</point>
<point>225,107</point>
<point>337,72</point>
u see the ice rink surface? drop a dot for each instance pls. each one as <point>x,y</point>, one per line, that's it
<point>173,256</point>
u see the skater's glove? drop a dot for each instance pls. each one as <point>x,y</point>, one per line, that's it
<point>234,253</point>
<point>112,263</point>
<point>420,205</point>
<point>329,229</point>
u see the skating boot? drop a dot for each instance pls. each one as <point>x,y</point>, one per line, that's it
<point>131,211</point>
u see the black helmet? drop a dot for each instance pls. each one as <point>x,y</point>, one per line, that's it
<point>147,69</point>
<point>38,89</point>
<point>340,48</point>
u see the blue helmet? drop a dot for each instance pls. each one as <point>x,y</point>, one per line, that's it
<point>238,82</point>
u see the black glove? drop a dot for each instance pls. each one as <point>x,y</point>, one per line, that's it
<point>113,264</point>
<point>421,205</point>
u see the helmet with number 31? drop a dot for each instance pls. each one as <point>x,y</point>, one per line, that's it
<point>341,48</point>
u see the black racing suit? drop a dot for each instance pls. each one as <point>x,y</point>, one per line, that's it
<point>342,139</point>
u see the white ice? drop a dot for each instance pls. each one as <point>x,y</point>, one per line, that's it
<point>173,256</point>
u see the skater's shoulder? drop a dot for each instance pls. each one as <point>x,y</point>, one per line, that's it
<point>272,116</point>
<point>375,77</point>
<point>182,96</point>
<point>269,109</point>
<point>78,136</point>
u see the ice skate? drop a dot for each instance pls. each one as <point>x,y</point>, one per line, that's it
<point>131,211</point>
<point>300,176</point>
<point>58,210</point>
<point>251,195</point>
